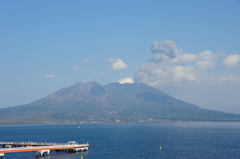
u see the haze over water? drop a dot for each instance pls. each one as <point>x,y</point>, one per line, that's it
<point>179,140</point>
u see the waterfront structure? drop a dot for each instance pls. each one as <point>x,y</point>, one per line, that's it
<point>41,149</point>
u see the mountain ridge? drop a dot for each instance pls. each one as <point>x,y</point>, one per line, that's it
<point>91,102</point>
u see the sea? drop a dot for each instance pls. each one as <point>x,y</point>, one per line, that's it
<point>167,140</point>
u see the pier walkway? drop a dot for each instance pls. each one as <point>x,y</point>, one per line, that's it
<point>41,149</point>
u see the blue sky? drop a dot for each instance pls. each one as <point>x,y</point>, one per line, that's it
<point>48,45</point>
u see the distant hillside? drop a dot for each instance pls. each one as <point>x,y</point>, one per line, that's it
<point>91,102</point>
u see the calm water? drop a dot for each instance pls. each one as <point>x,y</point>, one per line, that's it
<point>134,141</point>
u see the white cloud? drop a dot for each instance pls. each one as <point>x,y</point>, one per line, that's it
<point>169,66</point>
<point>164,68</point>
<point>207,55</point>
<point>184,58</point>
<point>206,60</point>
<point>160,74</point>
<point>182,73</point>
<point>205,64</point>
<point>232,61</point>
<point>117,64</point>
<point>76,68</point>
<point>49,76</point>
<point>126,80</point>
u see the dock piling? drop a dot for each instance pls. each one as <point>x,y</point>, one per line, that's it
<point>1,155</point>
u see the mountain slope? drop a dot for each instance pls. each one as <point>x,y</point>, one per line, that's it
<point>91,102</point>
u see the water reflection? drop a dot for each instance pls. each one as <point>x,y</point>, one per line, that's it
<point>63,155</point>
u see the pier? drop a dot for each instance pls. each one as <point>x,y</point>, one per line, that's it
<point>41,149</point>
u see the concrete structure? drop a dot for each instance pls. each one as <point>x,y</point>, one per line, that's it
<point>41,149</point>
<point>43,153</point>
<point>1,155</point>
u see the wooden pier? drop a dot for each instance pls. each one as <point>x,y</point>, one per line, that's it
<point>41,149</point>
